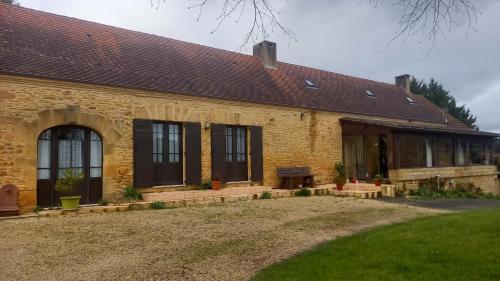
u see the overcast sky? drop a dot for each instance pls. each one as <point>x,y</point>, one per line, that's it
<point>348,37</point>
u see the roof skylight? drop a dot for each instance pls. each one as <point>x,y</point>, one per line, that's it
<point>370,94</point>
<point>410,100</point>
<point>310,84</point>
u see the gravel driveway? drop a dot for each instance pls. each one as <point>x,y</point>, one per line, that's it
<point>218,242</point>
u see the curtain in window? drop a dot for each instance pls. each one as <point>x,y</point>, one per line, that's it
<point>157,143</point>
<point>71,151</point>
<point>459,154</point>
<point>95,155</point>
<point>173,143</point>
<point>44,142</point>
<point>229,144</point>
<point>240,144</point>
<point>428,152</point>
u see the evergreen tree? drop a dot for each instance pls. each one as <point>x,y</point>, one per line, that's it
<point>436,94</point>
<point>12,2</point>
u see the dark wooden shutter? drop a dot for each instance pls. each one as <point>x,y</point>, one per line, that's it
<point>143,153</point>
<point>256,153</point>
<point>218,144</point>
<point>193,153</point>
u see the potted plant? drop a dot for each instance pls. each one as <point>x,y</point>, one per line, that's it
<point>378,180</point>
<point>340,180</point>
<point>65,186</point>
<point>216,180</point>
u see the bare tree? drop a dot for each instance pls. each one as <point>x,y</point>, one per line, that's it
<point>430,18</point>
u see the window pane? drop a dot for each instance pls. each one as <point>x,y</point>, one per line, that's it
<point>174,143</point>
<point>229,144</point>
<point>240,144</point>
<point>486,154</point>
<point>445,152</point>
<point>95,155</point>
<point>413,151</point>
<point>64,154</point>
<point>76,153</point>
<point>43,174</point>
<point>475,153</point>
<point>459,153</point>
<point>44,154</point>
<point>157,143</point>
<point>95,172</point>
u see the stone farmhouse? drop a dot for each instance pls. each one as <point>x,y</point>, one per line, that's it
<point>129,108</point>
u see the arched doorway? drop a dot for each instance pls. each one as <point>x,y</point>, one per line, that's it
<point>69,147</point>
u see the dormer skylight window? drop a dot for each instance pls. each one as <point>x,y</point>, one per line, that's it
<point>410,100</point>
<point>310,84</point>
<point>370,94</point>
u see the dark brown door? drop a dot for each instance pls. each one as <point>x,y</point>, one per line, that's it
<point>69,147</point>
<point>167,154</point>
<point>236,164</point>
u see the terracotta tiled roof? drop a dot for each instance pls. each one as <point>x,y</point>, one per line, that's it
<point>39,44</point>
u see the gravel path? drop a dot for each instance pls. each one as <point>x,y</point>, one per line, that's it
<point>218,242</point>
<point>446,204</point>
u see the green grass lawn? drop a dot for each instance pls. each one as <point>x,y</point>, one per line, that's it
<point>464,246</point>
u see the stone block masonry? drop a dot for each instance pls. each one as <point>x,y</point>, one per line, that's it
<point>30,106</point>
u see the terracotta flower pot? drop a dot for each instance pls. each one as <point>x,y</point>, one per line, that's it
<point>378,183</point>
<point>216,185</point>
<point>340,186</point>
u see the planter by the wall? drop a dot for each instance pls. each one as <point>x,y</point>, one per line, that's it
<point>216,185</point>
<point>70,203</point>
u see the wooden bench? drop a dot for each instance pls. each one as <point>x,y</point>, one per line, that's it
<point>292,177</point>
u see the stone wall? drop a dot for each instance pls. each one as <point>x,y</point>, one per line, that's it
<point>29,106</point>
<point>482,176</point>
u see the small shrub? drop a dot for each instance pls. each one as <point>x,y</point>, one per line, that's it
<point>131,192</point>
<point>206,184</point>
<point>304,192</point>
<point>340,168</point>
<point>428,188</point>
<point>158,205</point>
<point>66,184</point>
<point>103,202</point>
<point>37,209</point>
<point>266,195</point>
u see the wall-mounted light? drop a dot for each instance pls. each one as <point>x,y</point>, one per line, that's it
<point>302,115</point>
<point>206,125</point>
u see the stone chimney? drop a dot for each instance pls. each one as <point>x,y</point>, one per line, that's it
<point>266,51</point>
<point>403,81</point>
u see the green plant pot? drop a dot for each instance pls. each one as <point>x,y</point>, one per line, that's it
<point>70,203</point>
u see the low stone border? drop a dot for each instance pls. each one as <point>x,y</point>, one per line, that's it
<point>276,193</point>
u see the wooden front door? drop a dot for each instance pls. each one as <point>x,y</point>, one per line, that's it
<point>236,163</point>
<point>69,147</point>
<point>167,154</point>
